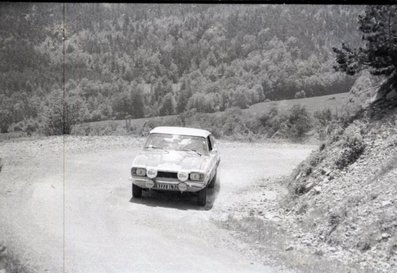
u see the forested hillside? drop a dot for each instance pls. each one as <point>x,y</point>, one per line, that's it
<point>62,64</point>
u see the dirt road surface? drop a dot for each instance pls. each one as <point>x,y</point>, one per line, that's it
<point>65,206</point>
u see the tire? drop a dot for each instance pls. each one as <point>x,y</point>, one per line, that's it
<point>211,185</point>
<point>136,191</point>
<point>202,197</point>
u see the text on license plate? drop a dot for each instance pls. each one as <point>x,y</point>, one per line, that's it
<point>161,186</point>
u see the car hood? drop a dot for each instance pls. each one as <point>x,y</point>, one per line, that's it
<point>171,160</point>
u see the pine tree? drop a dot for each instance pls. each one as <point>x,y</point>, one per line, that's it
<point>379,54</point>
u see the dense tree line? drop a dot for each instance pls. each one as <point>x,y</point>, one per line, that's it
<point>378,51</point>
<point>88,62</point>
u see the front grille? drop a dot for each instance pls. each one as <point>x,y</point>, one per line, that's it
<point>167,175</point>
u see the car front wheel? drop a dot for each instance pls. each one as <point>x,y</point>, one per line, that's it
<point>202,197</point>
<point>136,191</point>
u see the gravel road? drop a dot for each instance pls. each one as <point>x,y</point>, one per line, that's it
<point>72,211</point>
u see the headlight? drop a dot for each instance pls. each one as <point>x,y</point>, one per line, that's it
<point>196,176</point>
<point>183,176</point>
<point>138,171</point>
<point>151,173</point>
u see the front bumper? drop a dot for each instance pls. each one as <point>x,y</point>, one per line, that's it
<point>167,184</point>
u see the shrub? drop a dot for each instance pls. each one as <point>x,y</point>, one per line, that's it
<point>307,166</point>
<point>5,119</point>
<point>300,94</point>
<point>270,122</point>
<point>324,122</point>
<point>60,114</point>
<point>297,123</point>
<point>234,122</point>
<point>81,130</point>
<point>113,126</point>
<point>29,126</point>
<point>352,146</point>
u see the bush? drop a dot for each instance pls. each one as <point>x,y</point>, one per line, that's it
<point>324,123</point>
<point>306,167</point>
<point>270,122</point>
<point>61,113</point>
<point>300,94</point>
<point>293,125</point>
<point>5,120</point>
<point>81,130</point>
<point>233,122</point>
<point>297,123</point>
<point>28,126</point>
<point>352,146</point>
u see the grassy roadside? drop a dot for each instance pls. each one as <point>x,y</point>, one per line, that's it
<point>334,102</point>
<point>296,120</point>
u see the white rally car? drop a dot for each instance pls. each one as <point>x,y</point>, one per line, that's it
<point>176,159</point>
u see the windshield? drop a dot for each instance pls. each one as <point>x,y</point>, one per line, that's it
<point>177,142</point>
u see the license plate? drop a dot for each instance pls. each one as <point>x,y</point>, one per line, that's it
<point>161,186</point>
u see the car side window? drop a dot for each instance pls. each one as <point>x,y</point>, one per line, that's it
<point>209,143</point>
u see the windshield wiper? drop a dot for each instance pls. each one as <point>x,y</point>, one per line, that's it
<point>192,150</point>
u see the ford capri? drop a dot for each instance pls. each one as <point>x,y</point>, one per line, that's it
<point>176,159</point>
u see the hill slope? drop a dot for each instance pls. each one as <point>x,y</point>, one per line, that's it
<point>114,61</point>
<point>337,211</point>
<point>344,194</point>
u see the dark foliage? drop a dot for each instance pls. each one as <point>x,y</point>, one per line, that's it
<point>379,53</point>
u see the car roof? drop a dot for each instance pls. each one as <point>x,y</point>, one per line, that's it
<point>180,131</point>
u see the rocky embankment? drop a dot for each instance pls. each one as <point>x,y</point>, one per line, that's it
<point>344,195</point>
<point>337,212</point>
<point>343,199</point>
